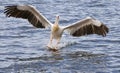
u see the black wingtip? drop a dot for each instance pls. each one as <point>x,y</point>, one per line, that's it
<point>105,30</point>
<point>9,9</point>
<point>14,11</point>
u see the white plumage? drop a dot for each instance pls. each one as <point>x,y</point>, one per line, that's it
<point>83,27</point>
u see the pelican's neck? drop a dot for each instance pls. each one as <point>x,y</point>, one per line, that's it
<point>56,25</point>
<point>57,20</point>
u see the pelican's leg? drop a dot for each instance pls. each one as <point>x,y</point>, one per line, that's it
<point>50,41</point>
<point>58,41</point>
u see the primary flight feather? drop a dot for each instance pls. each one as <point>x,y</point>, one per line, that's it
<point>83,27</point>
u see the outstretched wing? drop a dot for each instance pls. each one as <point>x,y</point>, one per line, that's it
<point>27,12</point>
<point>87,26</point>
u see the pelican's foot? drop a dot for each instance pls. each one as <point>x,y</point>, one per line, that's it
<point>48,46</point>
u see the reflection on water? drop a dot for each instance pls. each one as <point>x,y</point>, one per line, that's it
<point>56,55</point>
<point>79,61</point>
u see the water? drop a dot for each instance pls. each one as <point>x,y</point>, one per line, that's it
<point>23,47</point>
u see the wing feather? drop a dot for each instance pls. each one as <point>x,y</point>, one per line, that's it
<point>27,12</point>
<point>87,26</point>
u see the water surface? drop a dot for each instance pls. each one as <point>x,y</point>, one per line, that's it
<point>23,47</point>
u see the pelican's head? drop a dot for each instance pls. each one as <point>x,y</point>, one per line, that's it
<point>57,20</point>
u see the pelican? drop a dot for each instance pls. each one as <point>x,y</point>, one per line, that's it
<point>82,27</point>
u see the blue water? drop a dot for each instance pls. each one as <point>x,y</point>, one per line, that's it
<point>23,47</point>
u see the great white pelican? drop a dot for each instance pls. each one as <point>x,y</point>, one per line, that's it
<point>83,27</point>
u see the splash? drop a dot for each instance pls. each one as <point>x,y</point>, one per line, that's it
<point>66,44</point>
